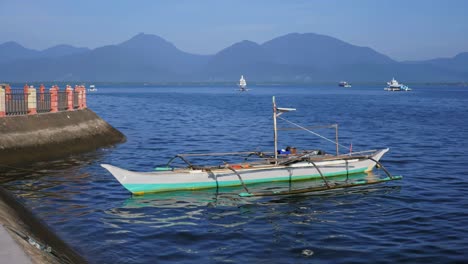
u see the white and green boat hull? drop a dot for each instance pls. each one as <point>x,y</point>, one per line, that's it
<point>188,179</point>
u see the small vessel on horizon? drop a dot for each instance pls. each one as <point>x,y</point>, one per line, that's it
<point>344,84</point>
<point>394,85</point>
<point>92,88</point>
<point>243,84</point>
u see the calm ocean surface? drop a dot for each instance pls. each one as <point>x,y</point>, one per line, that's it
<point>421,219</point>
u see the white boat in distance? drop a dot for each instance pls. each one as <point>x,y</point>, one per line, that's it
<point>393,85</point>
<point>92,88</point>
<point>243,84</point>
<point>344,84</point>
<point>287,165</point>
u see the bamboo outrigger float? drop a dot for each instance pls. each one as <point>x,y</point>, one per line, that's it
<point>281,165</point>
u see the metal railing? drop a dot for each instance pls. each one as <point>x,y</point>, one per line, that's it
<point>53,100</point>
<point>76,103</point>
<point>43,102</point>
<point>62,101</point>
<point>16,103</point>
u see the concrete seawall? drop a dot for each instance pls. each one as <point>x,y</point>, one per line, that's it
<point>46,136</point>
<point>26,239</point>
<point>39,126</point>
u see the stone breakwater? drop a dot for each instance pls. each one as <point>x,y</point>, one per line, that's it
<point>43,125</point>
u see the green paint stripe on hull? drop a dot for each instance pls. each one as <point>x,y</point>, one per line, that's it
<point>158,187</point>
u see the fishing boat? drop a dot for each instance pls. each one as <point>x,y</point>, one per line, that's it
<point>394,85</point>
<point>344,84</point>
<point>281,165</point>
<point>243,84</point>
<point>92,88</point>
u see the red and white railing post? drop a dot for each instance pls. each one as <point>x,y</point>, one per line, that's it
<point>69,92</point>
<point>54,99</point>
<point>8,93</point>
<point>84,96</point>
<point>79,93</point>
<point>2,101</point>
<point>30,97</point>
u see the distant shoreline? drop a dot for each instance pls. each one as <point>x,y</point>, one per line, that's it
<point>48,84</point>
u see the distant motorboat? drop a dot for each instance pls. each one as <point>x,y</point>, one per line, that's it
<point>394,85</point>
<point>243,84</point>
<point>344,84</point>
<point>92,88</point>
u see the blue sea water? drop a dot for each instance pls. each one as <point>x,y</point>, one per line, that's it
<point>422,218</point>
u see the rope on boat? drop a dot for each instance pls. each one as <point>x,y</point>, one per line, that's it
<point>312,132</point>
<point>240,178</point>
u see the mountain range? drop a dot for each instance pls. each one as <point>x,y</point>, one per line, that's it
<point>293,57</point>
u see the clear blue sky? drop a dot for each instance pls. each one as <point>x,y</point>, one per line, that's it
<point>401,29</point>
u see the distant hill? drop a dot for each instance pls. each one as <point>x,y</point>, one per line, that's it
<point>293,57</point>
<point>61,50</point>
<point>311,57</point>
<point>12,51</point>
<point>457,63</point>
<point>142,58</point>
<point>319,51</point>
<point>246,57</point>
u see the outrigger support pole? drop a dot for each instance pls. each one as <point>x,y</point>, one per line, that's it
<point>321,175</point>
<point>190,165</point>
<point>381,166</point>
<point>240,178</point>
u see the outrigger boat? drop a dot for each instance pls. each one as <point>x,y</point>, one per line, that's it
<point>281,165</point>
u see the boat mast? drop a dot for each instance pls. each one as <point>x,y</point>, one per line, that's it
<point>275,131</point>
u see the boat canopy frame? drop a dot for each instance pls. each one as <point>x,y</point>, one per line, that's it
<point>265,158</point>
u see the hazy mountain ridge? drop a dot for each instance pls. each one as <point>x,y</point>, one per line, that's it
<point>295,57</point>
<point>12,51</point>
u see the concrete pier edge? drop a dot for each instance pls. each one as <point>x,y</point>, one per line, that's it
<point>10,250</point>
<point>31,235</point>
<point>28,138</point>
